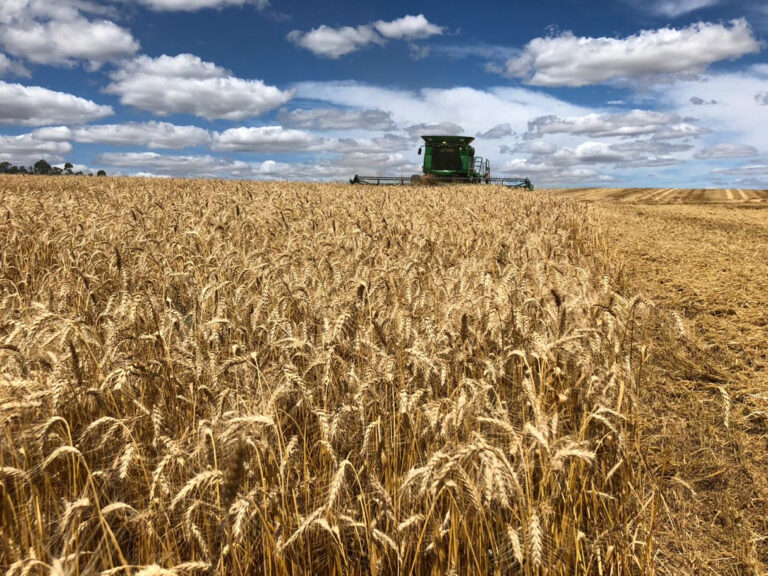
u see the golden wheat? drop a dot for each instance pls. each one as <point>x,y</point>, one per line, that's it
<point>294,378</point>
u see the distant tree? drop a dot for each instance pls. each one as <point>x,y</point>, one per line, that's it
<point>42,167</point>
<point>101,173</point>
<point>5,167</point>
<point>68,167</point>
<point>56,171</point>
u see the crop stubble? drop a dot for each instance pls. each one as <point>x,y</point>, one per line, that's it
<point>703,407</point>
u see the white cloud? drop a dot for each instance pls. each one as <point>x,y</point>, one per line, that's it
<point>28,149</point>
<point>263,139</point>
<point>185,84</point>
<point>736,117</point>
<point>498,131</point>
<point>460,106</point>
<point>194,165</point>
<point>8,66</point>
<point>36,106</point>
<point>749,175</point>
<point>748,170</point>
<point>675,8</point>
<point>207,166</point>
<point>726,151</point>
<point>46,32</point>
<point>329,42</point>
<point>652,146</point>
<point>443,111</point>
<point>381,145</point>
<point>335,42</point>
<point>588,161</point>
<point>150,134</point>
<point>762,98</point>
<point>568,60</point>
<point>434,128</point>
<point>193,5</point>
<point>536,147</point>
<point>20,10</point>
<point>632,123</point>
<point>53,133</point>
<point>337,119</point>
<point>408,28</point>
<point>543,174</point>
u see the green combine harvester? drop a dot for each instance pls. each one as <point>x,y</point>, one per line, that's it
<point>451,160</point>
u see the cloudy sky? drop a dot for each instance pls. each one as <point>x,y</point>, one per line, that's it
<point>617,93</point>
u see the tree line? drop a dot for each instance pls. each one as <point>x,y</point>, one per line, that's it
<point>42,167</point>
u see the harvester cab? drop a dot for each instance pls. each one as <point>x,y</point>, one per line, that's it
<point>453,157</point>
<point>450,160</point>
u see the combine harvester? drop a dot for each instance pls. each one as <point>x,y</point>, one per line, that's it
<point>451,160</point>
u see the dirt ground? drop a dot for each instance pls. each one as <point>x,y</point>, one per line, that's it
<point>701,256</point>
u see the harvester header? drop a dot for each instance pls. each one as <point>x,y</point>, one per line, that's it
<point>450,160</point>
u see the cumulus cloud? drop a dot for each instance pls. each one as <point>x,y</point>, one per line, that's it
<point>149,134</point>
<point>263,139</point>
<point>536,147</point>
<point>544,175</point>
<point>458,106</point>
<point>726,151</point>
<point>434,128</point>
<point>386,144</point>
<point>633,123</point>
<point>329,42</point>
<point>37,106</point>
<point>335,42</point>
<point>594,161</point>
<point>762,98</point>
<point>498,131</point>
<point>53,133</point>
<point>337,119</point>
<point>58,33</point>
<point>8,66</point>
<point>569,60</point>
<point>408,28</point>
<point>185,84</point>
<point>28,148</point>
<point>194,5</point>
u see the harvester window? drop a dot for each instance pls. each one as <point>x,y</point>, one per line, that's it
<point>446,158</point>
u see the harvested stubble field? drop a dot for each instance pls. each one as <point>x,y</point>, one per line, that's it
<point>703,257</point>
<point>275,378</point>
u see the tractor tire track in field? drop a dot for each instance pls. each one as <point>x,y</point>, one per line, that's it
<point>703,258</point>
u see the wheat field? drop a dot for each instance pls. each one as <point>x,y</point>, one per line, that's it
<point>280,378</point>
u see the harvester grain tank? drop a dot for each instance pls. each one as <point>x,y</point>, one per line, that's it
<point>448,159</point>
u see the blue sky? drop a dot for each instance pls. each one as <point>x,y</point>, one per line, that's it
<point>614,93</point>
